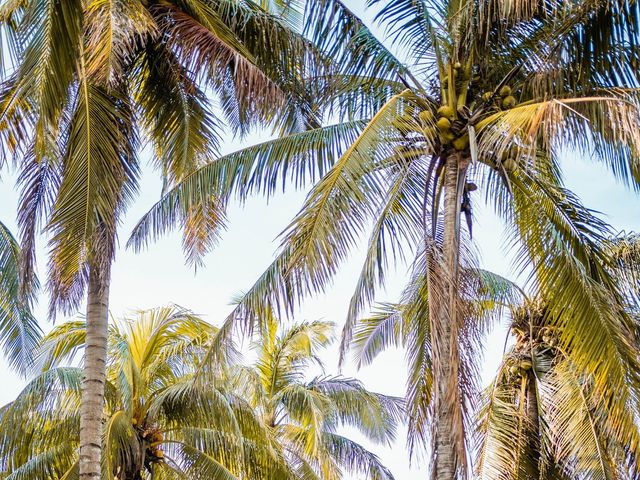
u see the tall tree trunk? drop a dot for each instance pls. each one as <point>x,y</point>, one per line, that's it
<point>449,441</point>
<point>95,359</point>
<point>533,426</point>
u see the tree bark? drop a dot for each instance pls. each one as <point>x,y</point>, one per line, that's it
<point>95,359</point>
<point>448,443</point>
<point>534,425</point>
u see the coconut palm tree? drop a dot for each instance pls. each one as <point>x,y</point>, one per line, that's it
<point>306,415</point>
<point>493,93</point>
<point>87,84</point>
<point>543,417</point>
<point>19,330</point>
<point>159,421</point>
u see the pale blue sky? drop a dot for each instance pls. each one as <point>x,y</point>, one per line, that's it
<point>158,276</point>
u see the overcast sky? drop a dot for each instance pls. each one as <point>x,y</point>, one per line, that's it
<point>159,276</point>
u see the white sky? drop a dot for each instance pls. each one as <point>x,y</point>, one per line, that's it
<point>158,276</point>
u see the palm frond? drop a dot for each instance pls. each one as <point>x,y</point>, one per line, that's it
<point>112,29</point>
<point>98,180</point>
<point>51,30</point>
<point>19,330</point>
<point>299,158</point>
<point>354,458</point>
<point>599,124</point>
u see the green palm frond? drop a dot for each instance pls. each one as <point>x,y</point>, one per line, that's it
<point>396,225</point>
<point>299,158</point>
<point>19,330</point>
<point>51,37</point>
<point>411,25</point>
<point>197,464</point>
<point>575,278</point>
<point>112,29</point>
<point>50,464</point>
<point>378,332</point>
<point>374,414</point>
<point>99,172</point>
<point>337,31</point>
<point>303,416</point>
<point>39,181</point>
<point>62,344</point>
<point>602,124</point>
<point>177,114</point>
<point>339,205</point>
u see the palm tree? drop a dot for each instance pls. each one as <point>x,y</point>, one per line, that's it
<point>160,422</point>
<point>19,330</point>
<point>543,417</point>
<point>87,84</point>
<point>305,416</point>
<point>494,93</point>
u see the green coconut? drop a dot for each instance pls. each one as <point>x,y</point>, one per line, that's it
<point>447,137</point>
<point>514,370</point>
<point>457,65</point>
<point>509,102</point>
<point>461,143</point>
<point>444,124</point>
<point>525,365</point>
<point>447,111</point>
<point>505,91</point>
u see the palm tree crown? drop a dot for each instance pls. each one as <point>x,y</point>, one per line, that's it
<point>160,421</point>
<point>305,417</point>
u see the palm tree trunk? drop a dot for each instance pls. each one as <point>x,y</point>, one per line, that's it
<point>534,425</point>
<point>449,441</point>
<point>95,358</point>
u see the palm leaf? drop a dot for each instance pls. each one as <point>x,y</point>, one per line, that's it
<point>19,330</point>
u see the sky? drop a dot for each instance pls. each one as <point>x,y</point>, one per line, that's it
<point>158,276</point>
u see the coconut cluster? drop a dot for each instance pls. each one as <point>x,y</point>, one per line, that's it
<point>446,116</point>
<point>520,368</point>
<point>152,438</point>
<point>504,100</point>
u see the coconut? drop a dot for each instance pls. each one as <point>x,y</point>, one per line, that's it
<point>509,164</point>
<point>514,370</point>
<point>509,102</point>
<point>461,143</point>
<point>505,91</point>
<point>447,112</point>
<point>447,137</point>
<point>525,365</point>
<point>457,65</point>
<point>444,124</point>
